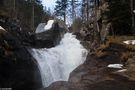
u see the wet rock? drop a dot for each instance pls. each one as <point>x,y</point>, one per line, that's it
<point>18,69</point>
<point>59,85</point>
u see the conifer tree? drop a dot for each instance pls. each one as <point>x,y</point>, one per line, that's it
<point>61,8</point>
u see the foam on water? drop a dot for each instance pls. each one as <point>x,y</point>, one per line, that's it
<point>58,62</point>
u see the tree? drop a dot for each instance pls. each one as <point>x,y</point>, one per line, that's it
<point>29,13</point>
<point>61,8</point>
<point>74,4</point>
<point>132,13</point>
<point>84,9</point>
<point>32,18</point>
<point>119,15</point>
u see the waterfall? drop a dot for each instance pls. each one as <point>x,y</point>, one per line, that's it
<point>58,62</point>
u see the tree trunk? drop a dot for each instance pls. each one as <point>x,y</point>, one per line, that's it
<point>64,17</point>
<point>87,11</point>
<point>32,18</point>
<point>13,9</point>
<point>73,9</point>
<point>133,22</point>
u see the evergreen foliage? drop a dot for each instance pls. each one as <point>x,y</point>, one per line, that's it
<point>120,15</point>
<point>61,8</point>
<point>22,10</point>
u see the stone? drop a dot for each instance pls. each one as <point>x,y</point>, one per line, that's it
<point>53,35</point>
<point>58,85</point>
<point>94,75</point>
<point>18,69</point>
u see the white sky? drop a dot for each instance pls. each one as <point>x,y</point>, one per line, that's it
<point>49,3</point>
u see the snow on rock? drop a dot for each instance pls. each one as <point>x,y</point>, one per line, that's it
<point>119,66</point>
<point>122,70</point>
<point>42,27</point>
<point>1,28</point>
<point>134,11</point>
<point>129,42</point>
<point>49,25</point>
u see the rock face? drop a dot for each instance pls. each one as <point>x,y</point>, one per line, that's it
<point>59,85</point>
<point>94,75</point>
<point>18,69</point>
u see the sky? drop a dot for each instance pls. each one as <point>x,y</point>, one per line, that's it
<point>49,3</point>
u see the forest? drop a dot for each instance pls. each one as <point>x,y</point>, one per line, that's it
<point>72,45</point>
<point>95,14</point>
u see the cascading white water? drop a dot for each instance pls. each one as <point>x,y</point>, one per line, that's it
<point>58,62</point>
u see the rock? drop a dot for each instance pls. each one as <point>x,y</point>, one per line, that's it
<point>130,66</point>
<point>94,75</point>
<point>2,30</point>
<point>59,85</point>
<point>85,75</point>
<point>52,35</point>
<point>78,35</point>
<point>18,69</point>
<point>115,47</point>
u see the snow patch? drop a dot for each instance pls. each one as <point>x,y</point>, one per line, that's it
<point>134,11</point>
<point>122,70</point>
<point>129,42</point>
<point>42,27</point>
<point>119,66</point>
<point>49,25</point>
<point>1,28</point>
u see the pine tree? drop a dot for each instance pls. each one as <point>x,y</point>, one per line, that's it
<point>74,4</point>
<point>61,8</point>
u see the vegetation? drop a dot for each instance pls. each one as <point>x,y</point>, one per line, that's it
<point>29,12</point>
<point>124,51</point>
<point>120,15</point>
<point>98,17</point>
<point>61,8</point>
<point>100,25</point>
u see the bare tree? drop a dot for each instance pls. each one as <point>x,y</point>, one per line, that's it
<point>85,10</point>
<point>132,9</point>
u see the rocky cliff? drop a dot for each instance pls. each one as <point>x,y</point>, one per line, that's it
<point>18,69</point>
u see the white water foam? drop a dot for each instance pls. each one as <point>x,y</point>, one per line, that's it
<point>58,62</point>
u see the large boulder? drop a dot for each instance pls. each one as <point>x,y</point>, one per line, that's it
<point>50,33</point>
<point>58,85</point>
<point>18,69</point>
<point>95,75</point>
